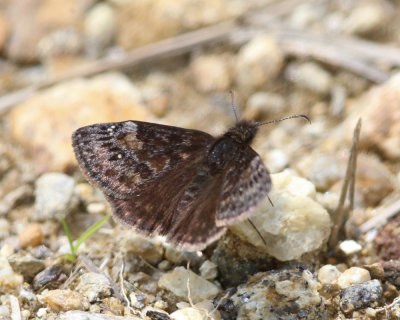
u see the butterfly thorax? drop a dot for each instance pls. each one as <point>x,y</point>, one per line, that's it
<point>224,150</point>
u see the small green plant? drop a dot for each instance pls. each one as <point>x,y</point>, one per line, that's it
<point>74,247</point>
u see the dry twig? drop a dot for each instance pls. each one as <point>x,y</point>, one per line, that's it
<point>381,217</point>
<point>162,49</point>
<point>340,214</point>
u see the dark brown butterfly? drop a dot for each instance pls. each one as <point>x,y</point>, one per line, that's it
<point>181,183</point>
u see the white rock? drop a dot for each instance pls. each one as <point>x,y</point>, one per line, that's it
<point>328,274</point>
<point>96,207</point>
<point>353,275</point>
<point>208,270</point>
<point>41,312</point>
<point>296,224</point>
<point>350,247</point>
<point>201,311</point>
<point>176,282</point>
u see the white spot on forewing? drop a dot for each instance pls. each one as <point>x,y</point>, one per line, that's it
<point>130,126</point>
<point>119,156</point>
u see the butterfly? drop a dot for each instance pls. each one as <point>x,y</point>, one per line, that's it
<point>180,183</point>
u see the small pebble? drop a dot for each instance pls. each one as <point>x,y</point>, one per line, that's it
<point>31,236</point>
<point>25,314</point>
<point>350,247</point>
<point>26,265</point>
<point>360,295</point>
<point>160,304</point>
<point>164,265</point>
<point>201,311</point>
<point>96,208</point>
<point>54,196</point>
<point>176,282</point>
<point>94,286</point>
<point>354,275</point>
<point>51,277</point>
<point>328,274</point>
<point>138,300</point>
<point>41,312</point>
<point>64,300</point>
<point>365,19</point>
<point>310,76</point>
<point>100,27</point>
<point>263,104</point>
<point>258,62</point>
<point>211,73</point>
<point>208,270</point>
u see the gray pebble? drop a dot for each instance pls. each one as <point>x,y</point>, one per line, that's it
<point>27,265</point>
<point>54,196</point>
<point>360,295</point>
<point>94,285</point>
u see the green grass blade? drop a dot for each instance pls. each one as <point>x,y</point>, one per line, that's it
<point>89,232</point>
<point>66,230</point>
<point>70,257</point>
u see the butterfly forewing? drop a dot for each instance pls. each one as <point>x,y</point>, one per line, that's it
<point>121,158</point>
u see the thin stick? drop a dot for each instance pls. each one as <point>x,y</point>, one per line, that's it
<point>340,212</point>
<point>381,218</point>
<point>258,232</point>
<point>162,49</point>
<point>259,124</point>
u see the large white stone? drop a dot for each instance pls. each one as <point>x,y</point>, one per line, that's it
<point>294,225</point>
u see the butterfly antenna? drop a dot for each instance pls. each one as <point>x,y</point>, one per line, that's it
<point>233,104</point>
<point>258,232</point>
<point>259,124</point>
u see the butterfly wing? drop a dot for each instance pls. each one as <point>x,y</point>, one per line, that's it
<point>187,218</point>
<point>122,158</point>
<point>246,183</point>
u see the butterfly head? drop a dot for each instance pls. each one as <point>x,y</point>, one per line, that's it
<point>244,131</point>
